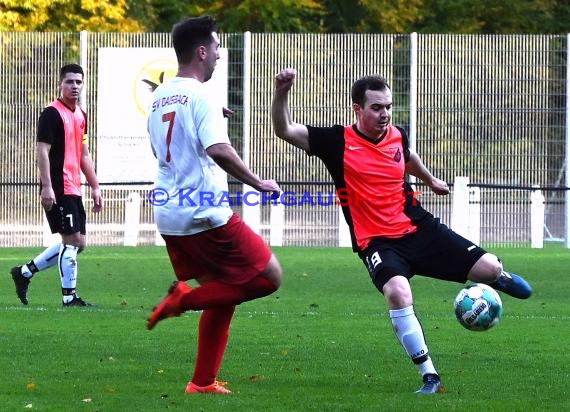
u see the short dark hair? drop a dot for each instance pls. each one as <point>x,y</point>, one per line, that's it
<point>70,68</point>
<point>358,92</point>
<point>191,33</point>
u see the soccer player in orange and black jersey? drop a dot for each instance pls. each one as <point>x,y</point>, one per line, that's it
<point>375,201</point>
<point>393,235</point>
<point>62,155</point>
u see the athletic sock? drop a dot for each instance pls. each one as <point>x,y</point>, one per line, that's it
<point>213,334</point>
<point>410,334</point>
<point>217,294</point>
<point>44,260</point>
<point>67,263</point>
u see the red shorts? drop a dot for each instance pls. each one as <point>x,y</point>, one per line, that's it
<point>232,253</point>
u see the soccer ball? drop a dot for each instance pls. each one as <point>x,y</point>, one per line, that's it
<point>478,307</point>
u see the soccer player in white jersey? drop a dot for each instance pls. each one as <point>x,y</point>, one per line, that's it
<point>206,241</point>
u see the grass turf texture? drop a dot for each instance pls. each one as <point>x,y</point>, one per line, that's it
<point>323,342</point>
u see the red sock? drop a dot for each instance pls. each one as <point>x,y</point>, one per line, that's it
<point>213,334</point>
<point>216,294</point>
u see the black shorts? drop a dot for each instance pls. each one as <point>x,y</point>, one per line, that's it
<point>67,216</point>
<point>433,251</point>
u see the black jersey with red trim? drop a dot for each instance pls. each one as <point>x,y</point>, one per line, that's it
<point>370,181</point>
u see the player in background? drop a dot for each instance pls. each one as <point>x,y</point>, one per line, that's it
<point>206,241</point>
<point>62,153</point>
<point>392,234</point>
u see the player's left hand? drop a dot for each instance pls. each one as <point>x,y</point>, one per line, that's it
<point>97,200</point>
<point>439,187</point>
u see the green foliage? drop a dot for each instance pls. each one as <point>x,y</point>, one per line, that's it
<point>282,16</point>
<point>389,16</point>
<point>66,15</point>
<point>323,342</point>
<point>372,16</point>
<point>161,15</point>
<point>236,15</point>
<point>292,16</point>
<point>494,17</point>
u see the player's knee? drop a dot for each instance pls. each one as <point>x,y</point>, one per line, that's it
<point>274,272</point>
<point>82,244</point>
<point>75,239</point>
<point>486,270</point>
<point>398,292</point>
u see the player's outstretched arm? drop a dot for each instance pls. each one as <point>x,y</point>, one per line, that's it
<point>285,128</point>
<point>415,166</point>
<point>228,159</point>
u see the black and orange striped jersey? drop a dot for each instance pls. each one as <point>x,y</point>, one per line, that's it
<point>369,178</point>
<point>65,130</point>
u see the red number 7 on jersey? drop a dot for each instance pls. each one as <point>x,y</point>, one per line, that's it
<point>168,117</point>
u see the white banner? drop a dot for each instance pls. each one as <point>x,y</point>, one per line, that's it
<point>126,79</point>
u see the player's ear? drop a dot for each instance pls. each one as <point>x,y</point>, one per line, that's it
<point>201,52</point>
<point>356,107</point>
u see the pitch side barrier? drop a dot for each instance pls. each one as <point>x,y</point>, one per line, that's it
<point>478,211</point>
<point>466,207</point>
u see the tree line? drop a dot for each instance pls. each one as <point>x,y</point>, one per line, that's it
<point>292,16</point>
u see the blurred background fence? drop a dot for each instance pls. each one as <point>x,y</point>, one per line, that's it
<point>493,108</point>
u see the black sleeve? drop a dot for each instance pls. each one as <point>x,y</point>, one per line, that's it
<point>50,125</point>
<point>327,143</point>
<point>405,143</point>
<point>324,141</point>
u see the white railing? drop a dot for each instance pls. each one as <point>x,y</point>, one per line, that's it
<point>465,219</point>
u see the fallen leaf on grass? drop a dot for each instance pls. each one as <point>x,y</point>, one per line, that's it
<point>255,378</point>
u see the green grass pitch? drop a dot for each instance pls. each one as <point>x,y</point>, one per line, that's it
<point>323,342</point>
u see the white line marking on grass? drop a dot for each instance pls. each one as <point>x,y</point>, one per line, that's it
<point>106,256</point>
<point>74,309</point>
<point>504,316</point>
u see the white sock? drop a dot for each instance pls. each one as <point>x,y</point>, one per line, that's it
<point>43,261</point>
<point>26,272</point>
<point>410,334</point>
<point>67,263</point>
